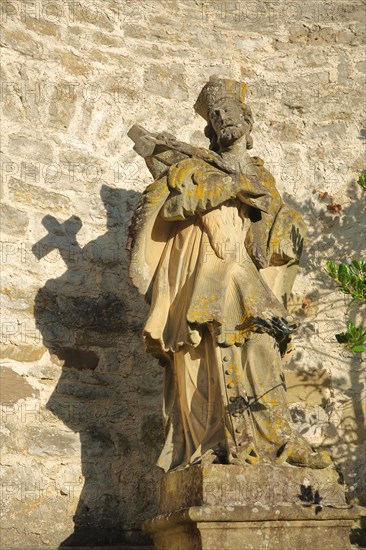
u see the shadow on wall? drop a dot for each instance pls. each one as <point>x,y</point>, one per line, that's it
<point>91,320</point>
<point>340,237</point>
<point>110,391</point>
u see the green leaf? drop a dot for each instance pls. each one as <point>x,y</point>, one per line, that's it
<point>357,264</point>
<point>358,349</point>
<point>354,338</point>
<point>342,274</point>
<point>331,269</point>
<point>362,180</point>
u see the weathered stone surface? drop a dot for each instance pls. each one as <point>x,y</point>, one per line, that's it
<point>13,221</point>
<point>61,113</point>
<point>77,358</point>
<point>22,42</point>
<point>267,507</point>
<point>72,132</point>
<point>14,387</point>
<point>100,15</point>
<point>51,442</point>
<point>254,486</point>
<point>37,197</point>
<point>312,388</point>
<point>42,27</point>
<point>74,64</point>
<point>209,528</point>
<point>22,352</point>
<point>106,312</point>
<point>107,39</point>
<point>33,149</point>
<point>167,82</point>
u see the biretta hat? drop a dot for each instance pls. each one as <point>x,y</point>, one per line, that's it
<point>217,90</point>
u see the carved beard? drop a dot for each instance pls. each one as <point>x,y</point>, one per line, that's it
<point>229,134</point>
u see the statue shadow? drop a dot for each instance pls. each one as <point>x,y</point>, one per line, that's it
<point>109,392</point>
<point>337,235</point>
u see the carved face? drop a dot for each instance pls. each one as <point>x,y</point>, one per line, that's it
<point>230,122</point>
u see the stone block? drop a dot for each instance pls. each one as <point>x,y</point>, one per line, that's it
<point>107,40</point>
<point>22,352</point>
<point>80,359</point>
<point>90,13</point>
<point>41,26</point>
<point>22,42</point>
<point>50,441</point>
<point>13,221</point>
<point>14,387</point>
<point>166,82</point>
<point>123,394</point>
<point>261,485</point>
<point>361,66</point>
<point>74,64</point>
<point>37,197</point>
<point>61,113</point>
<point>106,312</point>
<point>32,148</point>
<point>209,529</point>
<point>267,507</point>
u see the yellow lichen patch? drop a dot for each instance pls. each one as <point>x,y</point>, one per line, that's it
<point>231,381</point>
<point>32,505</point>
<point>200,191</point>
<point>202,308</point>
<point>13,292</point>
<point>178,173</point>
<point>156,191</point>
<point>235,337</point>
<point>6,291</point>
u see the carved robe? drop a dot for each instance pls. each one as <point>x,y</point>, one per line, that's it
<point>216,323</point>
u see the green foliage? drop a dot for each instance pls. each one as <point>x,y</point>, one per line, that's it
<point>362,180</point>
<point>354,339</point>
<point>351,279</point>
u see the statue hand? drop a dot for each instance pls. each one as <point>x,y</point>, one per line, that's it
<point>259,256</point>
<point>256,248</point>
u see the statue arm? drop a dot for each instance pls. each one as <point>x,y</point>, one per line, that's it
<point>276,238</point>
<point>197,187</point>
<point>258,237</point>
<point>198,179</point>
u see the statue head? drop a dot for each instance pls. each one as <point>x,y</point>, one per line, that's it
<point>222,104</point>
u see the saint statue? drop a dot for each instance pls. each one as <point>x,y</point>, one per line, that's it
<point>215,251</point>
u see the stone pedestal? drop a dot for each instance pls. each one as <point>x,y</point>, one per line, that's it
<point>207,507</point>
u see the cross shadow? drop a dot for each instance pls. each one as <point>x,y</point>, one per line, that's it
<point>109,391</point>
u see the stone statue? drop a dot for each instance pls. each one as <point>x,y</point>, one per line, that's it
<point>215,251</point>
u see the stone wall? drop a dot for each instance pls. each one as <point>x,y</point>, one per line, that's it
<point>81,400</point>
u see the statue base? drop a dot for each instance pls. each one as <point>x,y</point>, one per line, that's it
<point>206,507</point>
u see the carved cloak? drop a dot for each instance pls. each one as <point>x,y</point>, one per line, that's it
<point>197,270</point>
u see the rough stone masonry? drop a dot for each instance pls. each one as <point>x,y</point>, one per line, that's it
<point>81,400</point>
